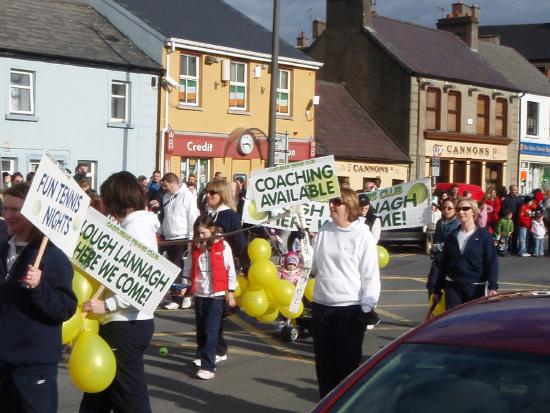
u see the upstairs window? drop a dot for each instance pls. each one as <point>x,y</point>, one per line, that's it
<point>283,93</point>
<point>433,109</point>
<point>21,92</point>
<point>501,117</point>
<point>119,101</point>
<point>237,86</point>
<point>532,118</point>
<point>189,80</point>
<point>453,111</point>
<point>482,126</point>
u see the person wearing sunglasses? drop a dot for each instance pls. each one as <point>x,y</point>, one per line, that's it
<point>443,227</point>
<point>469,263</point>
<point>371,219</point>
<point>347,288</point>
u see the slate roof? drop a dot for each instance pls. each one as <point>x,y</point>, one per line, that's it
<point>67,31</point>
<point>515,68</point>
<point>531,40</point>
<point>435,53</point>
<point>344,129</point>
<point>208,21</point>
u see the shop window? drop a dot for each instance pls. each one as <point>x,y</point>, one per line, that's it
<point>453,111</point>
<point>501,117</point>
<point>444,168</point>
<point>396,182</point>
<point>283,93</point>
<point>433,109</point>
<point>343,181</point>
<point>237,86</point>
<point>199,167</point>
<point>119,101</point>
<point>493,174</point>
<point>189,80</point>
<point>459,171</point>
<point>21,92</point>
<point>482,115</point>
<point>92,172</point>
<point>475,173</point>
<point>532,118</point>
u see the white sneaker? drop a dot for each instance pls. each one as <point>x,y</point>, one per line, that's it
<point>197,362</point>
<point>171,306</point>
<point>186,303</point>
<point>525,254</point>
<point>205,374</point>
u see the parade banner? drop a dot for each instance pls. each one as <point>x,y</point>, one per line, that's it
<point>123,264</point>
<point>293,184</point>
<point>56,205</point>
<point>406,205</point>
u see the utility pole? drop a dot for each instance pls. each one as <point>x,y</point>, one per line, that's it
<point>274,83</point>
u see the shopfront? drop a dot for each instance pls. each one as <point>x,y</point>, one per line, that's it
<point>355,174</point>
<point>481,164</point>
<point>534,167</point>
<point>235,154</point>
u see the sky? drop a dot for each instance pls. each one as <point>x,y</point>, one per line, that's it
<point>297,15</point>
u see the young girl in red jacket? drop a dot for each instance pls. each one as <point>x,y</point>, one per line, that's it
<point>211,270</point>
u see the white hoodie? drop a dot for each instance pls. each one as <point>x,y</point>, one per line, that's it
<point>143,226</point>
<point>346,263</point>
<point>180,213</point>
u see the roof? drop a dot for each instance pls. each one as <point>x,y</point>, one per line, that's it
<point>515,68</point>
<point>208,21</point>
<point>435,53</point>
<point>513,321</point>
<point>66,30</point>
<point>344,129</point>
<point>531,40</point>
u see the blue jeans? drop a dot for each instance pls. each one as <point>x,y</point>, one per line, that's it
<point>538,250</point>
<point>523,240</point>
<point>21,393</point>
<point>208,316</point>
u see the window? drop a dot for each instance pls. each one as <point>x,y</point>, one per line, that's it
<point>21,92</point>
<point>189,80</point>
<point>33,165</point>
<point>119,101</point>
<point>283,93</point>
<point>433,105</point>
<point>92,171</point>
<point>501,117</point>
<point>237,86</point>
<point>482,115</point>
<point>532,118</point>
<point>453,111</point>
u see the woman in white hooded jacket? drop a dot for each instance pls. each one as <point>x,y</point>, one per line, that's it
<point>347,288</point>
<point>124,327</point>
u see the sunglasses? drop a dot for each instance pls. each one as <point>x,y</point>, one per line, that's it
<point>464,209</point>
<point>336,202</point>
<point>212,193</point>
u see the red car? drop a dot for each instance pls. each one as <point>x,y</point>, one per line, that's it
<point>490,355</point>
<point>477,191</point>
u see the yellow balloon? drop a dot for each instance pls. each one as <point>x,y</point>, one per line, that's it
<point>383,256</point>
<point>91,325</point>
<point>285,311</point>
<point>242,284</point>
<point>282,292</point>
<point>270,315</point>
<point>308,292</point>
<point>262,273</point>
<point>82,286</point>
<point>72,327</point>
<point>92,365</point>
<point>259,249</point>
<point>254,301</point>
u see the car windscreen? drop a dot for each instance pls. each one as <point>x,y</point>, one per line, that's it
<point>437,378</point>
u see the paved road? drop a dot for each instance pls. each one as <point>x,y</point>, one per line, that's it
<point>265,374</point>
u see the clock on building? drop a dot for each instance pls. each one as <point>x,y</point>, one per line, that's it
<point>245,145</point>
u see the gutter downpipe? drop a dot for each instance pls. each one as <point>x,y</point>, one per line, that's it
<point>417,160</point>
<point>520,132</point>
<point>166,99</point>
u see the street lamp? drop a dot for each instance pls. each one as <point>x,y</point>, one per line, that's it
<point>274,84</point>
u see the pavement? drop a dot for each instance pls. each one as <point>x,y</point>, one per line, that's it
<point>264,373</point>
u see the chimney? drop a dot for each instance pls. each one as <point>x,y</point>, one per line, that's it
<point>464,22</point>
<point>301,40</point>
<point>318,27</point>
<point>346,14</point>
<point>491,38</point>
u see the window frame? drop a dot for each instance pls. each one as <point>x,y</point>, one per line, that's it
<point>484,116</point>
<point>186,78</point>
<point>126,97</point>
<point>435,109</point>
<point>503,117</point>
<point>535,119</point>
<point>31,88</point>
<point>281,90</point>
<point>457,112</point>
<point>235,83</point>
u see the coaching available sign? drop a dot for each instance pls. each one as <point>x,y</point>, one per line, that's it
<point>123,264</point>
<point>56,205</point>
<point>294,184</point>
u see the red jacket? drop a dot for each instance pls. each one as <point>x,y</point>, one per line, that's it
<point>525,219</point>
<point>220,275</point>
<point>494,215</point>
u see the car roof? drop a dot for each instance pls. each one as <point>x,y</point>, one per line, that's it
<point>517,321</point>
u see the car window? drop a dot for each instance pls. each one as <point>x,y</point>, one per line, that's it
<point>437,378</point>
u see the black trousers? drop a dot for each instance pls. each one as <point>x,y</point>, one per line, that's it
<point>21,393</point>
<point>456,293</point>
<point>338,334</point>
<point>128,392</point>
<point>174,254</point>
<point>208,316</point>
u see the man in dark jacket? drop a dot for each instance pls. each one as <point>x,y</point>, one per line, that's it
<point>512,202</point>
